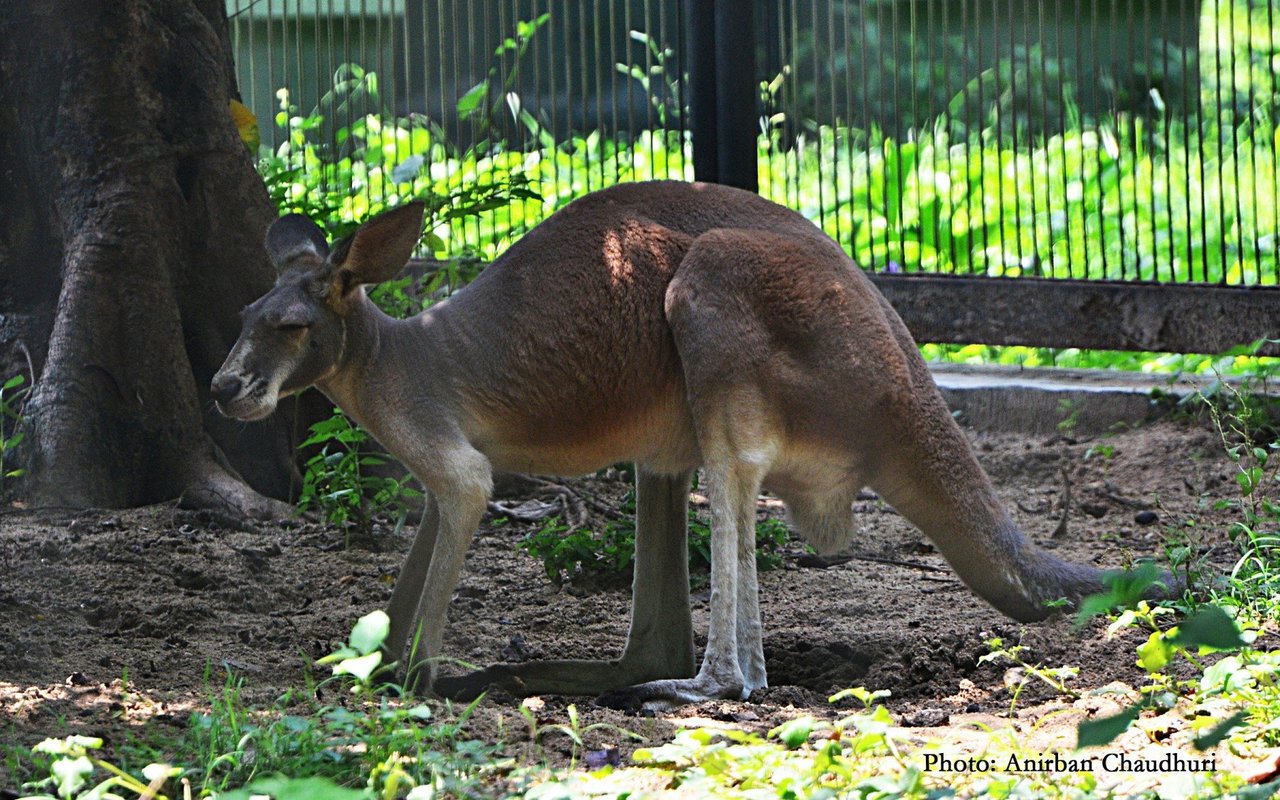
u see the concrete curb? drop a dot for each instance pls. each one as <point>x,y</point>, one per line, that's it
<point>1048,400</point>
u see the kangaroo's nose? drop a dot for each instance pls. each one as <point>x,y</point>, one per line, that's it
<point>225,387</point>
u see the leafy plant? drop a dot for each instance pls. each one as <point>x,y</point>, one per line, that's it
<point>1244,416</point>
<point>1054,677</point>
<point>568,553</point>
<point>72,764</point>
<point>574,730</point>
<point>338,481</point>
<point>11,393</point>
<point>1208,630</point>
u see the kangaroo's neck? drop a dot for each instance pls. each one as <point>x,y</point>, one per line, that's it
<point>398,370</point>
<point>367,378</point>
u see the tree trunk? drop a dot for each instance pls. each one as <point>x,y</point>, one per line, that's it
<point>132,236</point>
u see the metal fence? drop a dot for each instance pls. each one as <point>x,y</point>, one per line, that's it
<point>1072,139</point>
<point>1104,140</point>
<point>561,97</point>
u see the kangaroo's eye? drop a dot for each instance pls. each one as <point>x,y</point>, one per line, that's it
<point>292,327</point>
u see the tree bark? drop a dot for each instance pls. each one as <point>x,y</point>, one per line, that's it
<point>132,237</point>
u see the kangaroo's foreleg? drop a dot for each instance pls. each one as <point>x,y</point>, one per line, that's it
<point>458,479</point>
<point>660,639</point>
<point>407,593</point>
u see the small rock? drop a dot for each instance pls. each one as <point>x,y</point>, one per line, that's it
<point>608,756</point>
<point>926,718</point>
<point>516,649</point>
<point>1095,510</point>
<point>78,679</point>
<point>1146,517</point>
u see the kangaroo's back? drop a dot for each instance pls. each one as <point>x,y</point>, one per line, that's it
<point>565,335</point>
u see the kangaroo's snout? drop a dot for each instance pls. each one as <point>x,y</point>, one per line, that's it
<point>225,388</point>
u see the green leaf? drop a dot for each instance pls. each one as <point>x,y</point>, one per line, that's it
<point>1154,654</point>
<point>71,774</point>
<point>1228,675</point>
<point>69,745</point>
<point>472,100</point>
<point>1209,627</point>
<point>279,787</point>
<point>1097,732</point>
<point>154,771</point>
<point>339,655</point>
<point>794,733</point>
<point>370,631</point>
<point>1124,589</point>
<point>359,668</point>
<point>1220,731</point>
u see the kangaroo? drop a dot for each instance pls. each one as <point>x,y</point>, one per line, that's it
<point>669,324</point>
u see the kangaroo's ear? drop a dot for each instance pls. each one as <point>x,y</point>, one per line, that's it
<point>378,250</point>
<point>292,237</point>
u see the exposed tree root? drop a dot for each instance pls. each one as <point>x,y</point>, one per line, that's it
<point>223,494</point>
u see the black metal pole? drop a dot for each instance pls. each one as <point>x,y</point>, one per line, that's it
<point>736,93</point>
<point>701,59</point>
<point>722,91</point>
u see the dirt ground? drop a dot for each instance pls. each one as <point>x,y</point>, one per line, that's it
<point>115,623</point>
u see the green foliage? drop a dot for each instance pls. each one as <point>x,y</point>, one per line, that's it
<point>1244,415</point>
<point>12,392</point>
<point>573,731</point>
<point>802,758</point>
<point>396,749</point>
<point>74,770</point>
<point>1240,362</point>
<point>1054,677</point>
<point>337,481</point>
<point>970,202</point>
<point>566,553</point>
<point>1125,589</point>
<point>1208,630</point>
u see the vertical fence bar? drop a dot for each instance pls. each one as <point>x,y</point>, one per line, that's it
<point>850,174</point>
<point>869,59</point>
<point>735,96</point>
<point>820,70</point>
<point>894,137</point>
<point>1163,137</point>
<point>1048,262</point>
<point>700,22</point>
<point>1273,89</point>
<point>795,122</point>
<point>630,99</point>
<point>1219,114</point>
<point>1247,145</point>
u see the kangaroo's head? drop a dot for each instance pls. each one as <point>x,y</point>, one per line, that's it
<point>295,334</point>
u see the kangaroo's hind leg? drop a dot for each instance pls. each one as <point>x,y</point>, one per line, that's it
<point>660,639</point>
<point>722,348</point>
<point>733,663</point>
